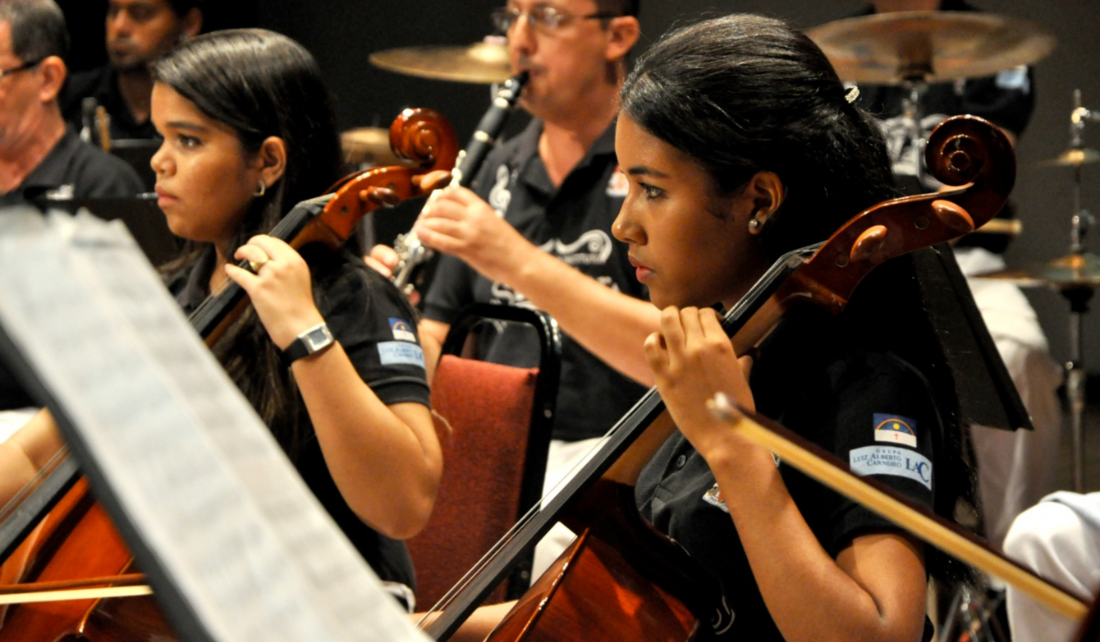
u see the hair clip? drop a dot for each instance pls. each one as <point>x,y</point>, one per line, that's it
<point>852,95</point>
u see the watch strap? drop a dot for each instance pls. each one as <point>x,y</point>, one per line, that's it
<point>303,346</point>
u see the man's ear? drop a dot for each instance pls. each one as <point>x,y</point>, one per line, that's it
<point>271,160</point>
<point>623,34</point>
<point>191,23</point>
<point>52,70</point>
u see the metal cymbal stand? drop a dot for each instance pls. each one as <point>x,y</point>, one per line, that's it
<point>913,115</point>
<point>1078,297</point>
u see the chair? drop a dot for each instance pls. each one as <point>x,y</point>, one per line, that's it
<point>495,435</point>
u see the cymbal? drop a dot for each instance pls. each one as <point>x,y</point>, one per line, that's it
<point>484,62</point>
<point>928,46</point>
<point>368,146</point>
<point>1069,272</point>
<point>1072,157</point>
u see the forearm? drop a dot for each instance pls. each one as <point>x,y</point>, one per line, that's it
<point>811,596</point>
<point>609,324</point>
<point>385,460</point>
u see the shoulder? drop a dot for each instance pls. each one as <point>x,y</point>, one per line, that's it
<point>96,173</point>
<point>76,170</point>
<point>347,287</point>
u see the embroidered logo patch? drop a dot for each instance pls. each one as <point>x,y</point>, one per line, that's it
<point>400,353</point>
<point>714,498</point>
<point>618,185</point>
<point>895,429</point>
<point>891,460</point>
<point>401,330</point>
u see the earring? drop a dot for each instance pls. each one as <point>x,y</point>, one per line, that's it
<point>260,192</point>
<point>754,225</point>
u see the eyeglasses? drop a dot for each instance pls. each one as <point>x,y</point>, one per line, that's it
<point>540,17</point>
<point>23,67</point>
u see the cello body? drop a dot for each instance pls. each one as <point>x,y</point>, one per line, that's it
<point>77,534</point>
<point>619,580</point>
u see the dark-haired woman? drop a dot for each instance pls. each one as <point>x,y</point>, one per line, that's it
<point>739,143</point>
<point>248,132</point>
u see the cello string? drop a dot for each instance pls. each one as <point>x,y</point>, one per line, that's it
<point>490,556</point>
<point>51,465</point>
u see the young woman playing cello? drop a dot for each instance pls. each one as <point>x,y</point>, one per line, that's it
<point>249,132</point>
<point>739,144</point>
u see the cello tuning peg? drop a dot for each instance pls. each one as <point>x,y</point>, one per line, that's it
<point>432,180</point>
<point>382,196</point>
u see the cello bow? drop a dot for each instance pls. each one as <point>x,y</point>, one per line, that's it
<point>933,529</point>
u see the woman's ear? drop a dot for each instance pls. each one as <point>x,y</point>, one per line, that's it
<point>765,190</point>
<point>271,160</point>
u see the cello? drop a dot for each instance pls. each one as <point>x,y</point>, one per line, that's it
<point>965,152</point>
<point>77,539</point>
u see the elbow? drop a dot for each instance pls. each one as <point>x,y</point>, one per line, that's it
<point>405,514</point>
<point>411,519</point>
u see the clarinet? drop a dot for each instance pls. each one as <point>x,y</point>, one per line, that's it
<point>412,254</point>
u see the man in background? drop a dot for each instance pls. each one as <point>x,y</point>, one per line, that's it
<point>40,159</point>
<point>138,33</point>
<point>535,230</point>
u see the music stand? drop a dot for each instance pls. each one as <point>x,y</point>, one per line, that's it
<point>142,217</point>
<point>234,544</point>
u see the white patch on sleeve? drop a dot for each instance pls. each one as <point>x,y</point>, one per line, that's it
<point>891,460</point>
<point>400,353</point>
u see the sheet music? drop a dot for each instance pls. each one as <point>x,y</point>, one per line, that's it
<point>236,546</point>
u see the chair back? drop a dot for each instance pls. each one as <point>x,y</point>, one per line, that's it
<point>494,422</point>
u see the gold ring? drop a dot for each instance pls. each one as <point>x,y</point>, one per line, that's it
<point>256,265</point>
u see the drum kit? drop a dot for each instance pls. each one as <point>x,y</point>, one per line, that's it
<point>911,49</point>
<point>914,49</point>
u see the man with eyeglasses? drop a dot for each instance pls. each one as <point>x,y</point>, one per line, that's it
<point>138,32</point>
<point>40,160</point>
<point>535,230</point>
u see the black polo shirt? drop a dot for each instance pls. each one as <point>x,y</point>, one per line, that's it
<point>75,170</point>
<point>71,170</point>
<point>865,406</point>
<point>572,222</point>
<point>101,83</point>
<point>375,325</point>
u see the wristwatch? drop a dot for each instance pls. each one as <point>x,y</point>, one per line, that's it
<point>313,340</point>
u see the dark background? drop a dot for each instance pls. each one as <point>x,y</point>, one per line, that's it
<point>343,33</point>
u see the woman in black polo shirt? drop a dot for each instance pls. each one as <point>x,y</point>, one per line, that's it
<point>327,353</point>
<point>740,143</point>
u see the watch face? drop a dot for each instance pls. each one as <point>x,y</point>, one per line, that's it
<point>317,338</point>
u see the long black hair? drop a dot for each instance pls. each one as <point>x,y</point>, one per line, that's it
<point>260,84</point>
<point>743,94</point>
